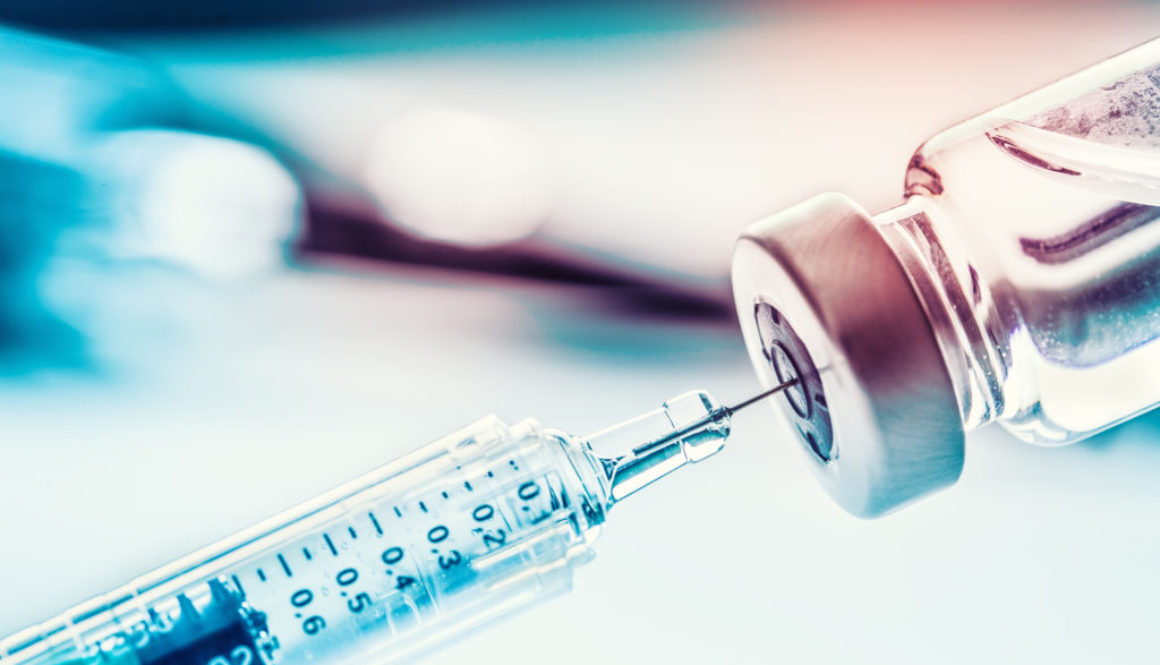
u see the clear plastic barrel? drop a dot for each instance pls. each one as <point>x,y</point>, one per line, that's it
<point>1040,222</point>
<point>461,531</point>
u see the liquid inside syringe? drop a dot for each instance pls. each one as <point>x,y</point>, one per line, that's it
<point>459,532</point>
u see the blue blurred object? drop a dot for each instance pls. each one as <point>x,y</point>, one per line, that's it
<point>56,95</point>
<point>102,191</point>
<point>37,191</point>
<point>56,92</point>
<point>213,14</point>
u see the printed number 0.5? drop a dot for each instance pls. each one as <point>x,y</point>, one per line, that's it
<point>360,602</point>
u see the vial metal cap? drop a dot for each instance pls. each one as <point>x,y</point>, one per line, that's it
<point>822,298</point>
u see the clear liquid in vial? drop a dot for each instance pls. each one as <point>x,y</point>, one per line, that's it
<point>1059,216</point>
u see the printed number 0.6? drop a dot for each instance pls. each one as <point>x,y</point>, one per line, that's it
<point>312,625</point>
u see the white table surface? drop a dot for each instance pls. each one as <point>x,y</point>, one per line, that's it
<point>271,393</point>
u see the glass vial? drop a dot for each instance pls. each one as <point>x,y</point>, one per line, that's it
<point>1025,262</point>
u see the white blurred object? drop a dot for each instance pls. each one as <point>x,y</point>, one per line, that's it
<point>164,218</point>
<point>221,208</point>
<point>458,176</point>
<point>663,143</point>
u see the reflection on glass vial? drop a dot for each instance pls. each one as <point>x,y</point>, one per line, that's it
<point>1038,219</point>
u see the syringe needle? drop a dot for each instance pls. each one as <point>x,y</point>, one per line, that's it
<point>713,418</point>
<point>757,398</point>
<point>688,429</point>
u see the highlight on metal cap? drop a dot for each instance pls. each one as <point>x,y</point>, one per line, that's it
<point>822,300</point>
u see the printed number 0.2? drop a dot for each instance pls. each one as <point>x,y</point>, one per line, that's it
<point>239,655</point>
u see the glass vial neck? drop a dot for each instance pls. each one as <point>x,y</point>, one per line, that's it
<point>972,332</point>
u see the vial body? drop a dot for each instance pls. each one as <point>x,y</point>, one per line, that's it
<point>1018,283</point>
<point>1032,237</point>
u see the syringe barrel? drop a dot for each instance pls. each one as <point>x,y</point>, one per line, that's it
<point>467,528</point>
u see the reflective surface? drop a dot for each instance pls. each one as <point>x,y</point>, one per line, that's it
<point>1042,215</point>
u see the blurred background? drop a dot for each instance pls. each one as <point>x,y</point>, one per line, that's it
<point>250,250</point>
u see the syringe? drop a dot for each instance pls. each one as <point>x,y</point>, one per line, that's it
<point>461,531</point>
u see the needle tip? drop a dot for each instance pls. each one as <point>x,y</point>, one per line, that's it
<point>760,396</point>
